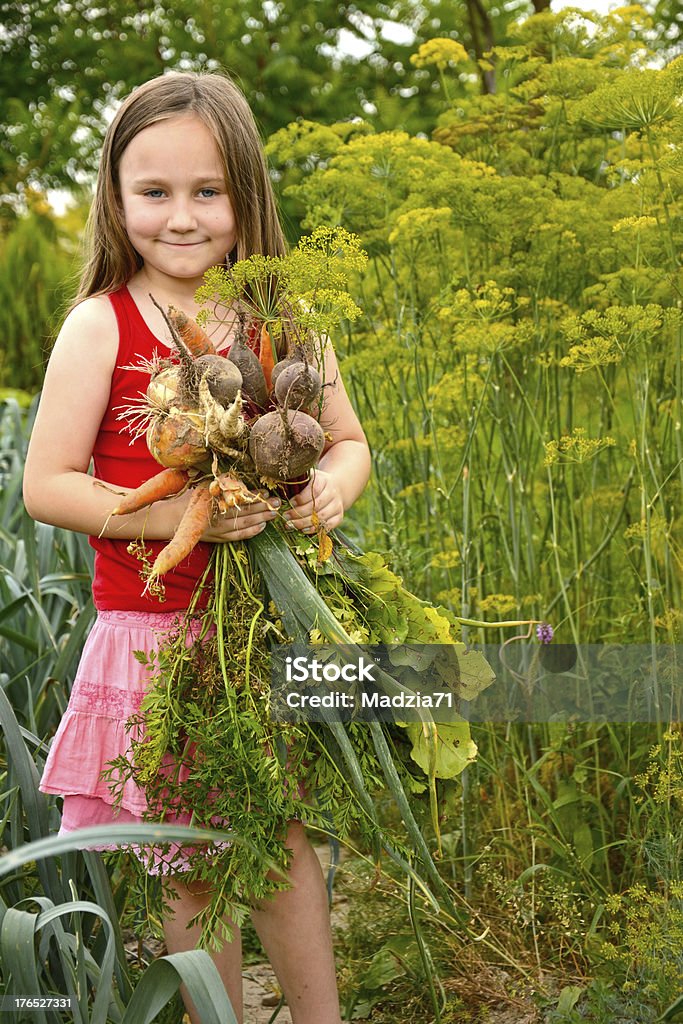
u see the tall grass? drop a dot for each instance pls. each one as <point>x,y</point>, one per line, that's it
<point>44,588</point>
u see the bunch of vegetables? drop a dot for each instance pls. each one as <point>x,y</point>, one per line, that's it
<point>224,426</point>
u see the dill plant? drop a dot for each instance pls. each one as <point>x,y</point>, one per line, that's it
<point>519,369</point>
<point>303,295</point>
<point>521,284</point>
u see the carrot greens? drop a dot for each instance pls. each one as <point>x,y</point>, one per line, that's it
<point>206,738</point>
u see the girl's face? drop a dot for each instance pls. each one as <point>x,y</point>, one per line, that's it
<point>174,201</point>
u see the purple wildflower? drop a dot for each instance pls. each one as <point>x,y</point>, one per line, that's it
<point>544,632</point>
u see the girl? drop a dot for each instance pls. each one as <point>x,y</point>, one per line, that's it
<point>182,182</point>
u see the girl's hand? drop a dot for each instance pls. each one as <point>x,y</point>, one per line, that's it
<point>321,495</point>
<point>242,522</point>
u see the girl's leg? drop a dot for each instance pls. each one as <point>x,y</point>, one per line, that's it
<point>192,899</point>
<point>294,927</point>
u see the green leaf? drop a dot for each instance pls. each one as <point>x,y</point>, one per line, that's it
<point>475,672</point>
<point>74,642</point>
<point>583,844</point>
<point>674,1010</point>
<point>419,658</point>
<point>569,997</point>
<point>110,834</point>
<point>24,771</point>
<point>17,942</point>
<point>389,962</point>
<point>196,970</point>
<point>103,894</point>
<point>455,748</point>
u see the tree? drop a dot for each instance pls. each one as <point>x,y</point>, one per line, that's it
<point>65,63</point>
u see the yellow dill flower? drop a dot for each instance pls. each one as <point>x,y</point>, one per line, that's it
<point>449,439</point>
<point>671,622</point>
<point>575,448</point>
<point>635,223</point>
<point>501,604</point>
<point>486,302</point>
<point>412,490</point>
<point>602,337</point>
<point>631,13</point>
<point>659,534</point>
<point>663,776</point>
<point>455,389</point>
<point>439,51</point>
<point>594,352</point>
<point>445,559</point>
<point>674,72</point>
<point>415,225</point>
<point>341,249</point>
<point>635,99</point>
<point>604,498</point>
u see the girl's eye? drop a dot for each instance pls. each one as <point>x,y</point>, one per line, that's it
<point>154,193</point>
<point>211,192</point>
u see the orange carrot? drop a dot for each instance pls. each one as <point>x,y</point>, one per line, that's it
<point>266,356</point>
<point>196,339</point>
<point>189,530</point>
<point>165,484</point>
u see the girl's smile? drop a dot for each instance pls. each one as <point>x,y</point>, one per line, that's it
<point>174,202</point>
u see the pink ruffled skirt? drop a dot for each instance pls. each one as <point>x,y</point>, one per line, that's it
<point>109,687</point>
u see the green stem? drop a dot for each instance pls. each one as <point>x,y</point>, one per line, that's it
<point>425,956</point>
<point>497,625</point>
<point>399,795</point>
<point>238,559</point>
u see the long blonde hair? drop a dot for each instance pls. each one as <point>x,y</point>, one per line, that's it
<point>111,259</point>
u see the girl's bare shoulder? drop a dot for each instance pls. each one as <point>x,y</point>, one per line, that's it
<point>94,312</point>
<point>90,332</point>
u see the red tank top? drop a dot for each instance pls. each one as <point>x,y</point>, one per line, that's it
<point>119,459</point>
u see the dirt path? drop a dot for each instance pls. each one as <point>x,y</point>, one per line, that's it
<point>262,995</point>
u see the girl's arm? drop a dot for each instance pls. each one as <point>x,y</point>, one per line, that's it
<point>57,486</point>
<point>344,467</point>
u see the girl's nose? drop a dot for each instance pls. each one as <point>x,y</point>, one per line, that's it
<point>181,217</point>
